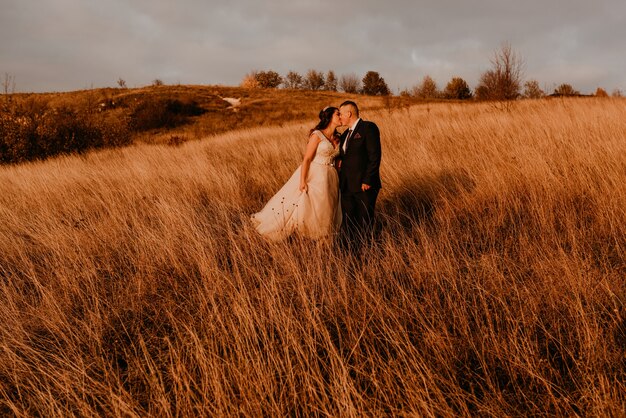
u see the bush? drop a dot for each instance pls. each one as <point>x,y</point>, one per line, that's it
<point>314,80</point>
<point>374,84</point>
<point>532,90</point>
<point>16,138</point>
<point>331,81</point>
<point>249,81</point>
<point>566,90</point>
<point>427,89</point>
<point>32,131</point>
<point>350,83</point>
<point>293,80</point>
<point>457,88</point>
<point>600,92</point>
<point>268,79</point>
<point>163,113</point>
<point>503,81</point>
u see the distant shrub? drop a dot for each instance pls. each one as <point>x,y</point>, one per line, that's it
<point>566,90</point>
<point>314,80</point>
<point>504,80</point>
<point>457,88</point>
<point>176,140</point>
<point>162,113</point>
<point>17,138</point>
<point>330,84</point>
<point>293,80</point>
<point>268,79</point>
<point>532,90</point>
<point>600,92</point>
<point>34,131</point>
<point>8,84</point>
<point>157,82</point>
<point>427,89</point>
<point>249,81</point>
<point>375,85</point>
<point>350,83</point>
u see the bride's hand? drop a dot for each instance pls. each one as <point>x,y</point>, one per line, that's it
<point>304,188</point>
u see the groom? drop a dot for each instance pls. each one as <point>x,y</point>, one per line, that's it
<point>359,178</point>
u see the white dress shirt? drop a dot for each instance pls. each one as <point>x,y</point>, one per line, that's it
<point>345,143</point>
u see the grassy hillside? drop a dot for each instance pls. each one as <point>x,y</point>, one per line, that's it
<point>133,285</point>
<point>259,107</point>
<point>37,126</point>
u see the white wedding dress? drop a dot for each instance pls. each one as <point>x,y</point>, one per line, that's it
<point>315,214</point>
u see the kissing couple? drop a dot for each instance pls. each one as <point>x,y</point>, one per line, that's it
<point>333,192</point>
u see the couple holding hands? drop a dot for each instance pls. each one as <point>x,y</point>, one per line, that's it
<point>333,192</point>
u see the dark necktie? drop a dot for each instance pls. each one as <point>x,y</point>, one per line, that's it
<point>345,144</point>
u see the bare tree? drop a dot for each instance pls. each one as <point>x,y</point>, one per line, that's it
<point>8,85</point>
<point>487,86</point>
<point>532,90</point>
<point>504,80</point>
<point>331,81</point>
<point>427,89</point>
<point>617,93</point>
<point>350,83</point>
<point>121,82</point>
<point>293,80</point>
<point>314,80</point>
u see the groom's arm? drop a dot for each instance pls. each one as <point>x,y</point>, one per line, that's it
<point>372,146</point>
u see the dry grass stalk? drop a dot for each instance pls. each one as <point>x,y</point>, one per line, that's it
<point>132,285</point>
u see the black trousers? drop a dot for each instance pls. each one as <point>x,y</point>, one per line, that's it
<point>358,214</point>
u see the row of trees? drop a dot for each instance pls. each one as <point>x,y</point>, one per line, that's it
<point>371,84</point>
<point>457,88</point>
<point>502,82</point>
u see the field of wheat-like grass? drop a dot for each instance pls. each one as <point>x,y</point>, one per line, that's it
<point>131,283</point>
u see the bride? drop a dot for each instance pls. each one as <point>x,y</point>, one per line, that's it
<point>309,202</point>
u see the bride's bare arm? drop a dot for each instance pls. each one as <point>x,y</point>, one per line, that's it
<point>309,154</point>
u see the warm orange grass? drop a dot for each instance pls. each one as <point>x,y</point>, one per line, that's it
<point>132,284</point>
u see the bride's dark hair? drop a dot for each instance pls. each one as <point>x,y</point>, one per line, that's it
<point>326,115</point>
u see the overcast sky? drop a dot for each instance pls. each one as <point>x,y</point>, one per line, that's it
<point>59,45</point>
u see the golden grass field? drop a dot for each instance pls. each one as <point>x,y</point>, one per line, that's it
<point>133,285</point>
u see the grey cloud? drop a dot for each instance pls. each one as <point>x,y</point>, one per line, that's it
<point>70,44</point>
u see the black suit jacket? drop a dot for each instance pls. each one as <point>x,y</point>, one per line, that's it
<point>360,163</point>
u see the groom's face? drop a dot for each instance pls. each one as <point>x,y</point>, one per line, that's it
<point>344,115</point>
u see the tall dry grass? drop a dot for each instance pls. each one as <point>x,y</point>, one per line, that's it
<point>132,284</point>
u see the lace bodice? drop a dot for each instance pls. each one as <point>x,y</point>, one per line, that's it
<point>326,152</point>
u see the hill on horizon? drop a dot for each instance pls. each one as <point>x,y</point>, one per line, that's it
<point>210,113</point>
<point>36,126</point>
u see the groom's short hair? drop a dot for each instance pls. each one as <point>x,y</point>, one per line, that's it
<point>354,107</point>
